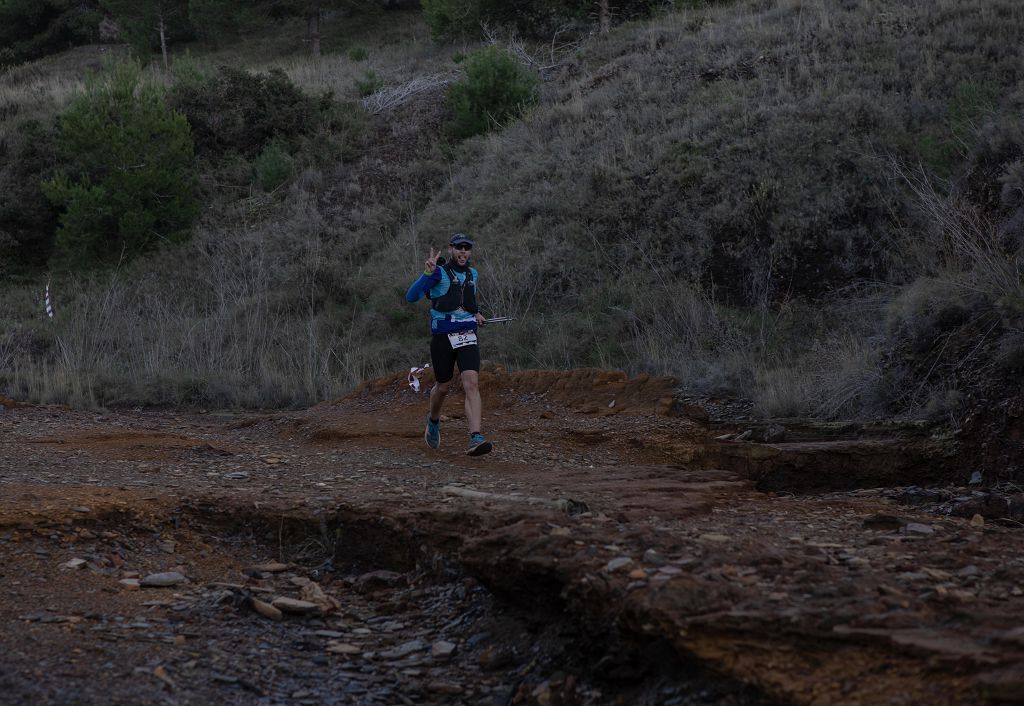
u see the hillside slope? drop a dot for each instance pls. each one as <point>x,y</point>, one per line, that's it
<point>758,198</point>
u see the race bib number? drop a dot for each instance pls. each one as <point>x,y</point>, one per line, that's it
<point>462,339</point>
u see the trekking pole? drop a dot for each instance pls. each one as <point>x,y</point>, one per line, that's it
<point>500,320</point>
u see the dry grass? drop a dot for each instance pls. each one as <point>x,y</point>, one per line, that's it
<point>41,89</point>
<point>692,196</point>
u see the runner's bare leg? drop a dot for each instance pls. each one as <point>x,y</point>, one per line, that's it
<point>437,394</point>
<point>474,408</point>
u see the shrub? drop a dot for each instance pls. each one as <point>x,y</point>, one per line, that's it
<point>496,90</point>
<point>129,180</point>
<point>274,166</point>
<point>232,110</point>
<point>450,19</point>
<point>369,84</point>
<point>358,53</point>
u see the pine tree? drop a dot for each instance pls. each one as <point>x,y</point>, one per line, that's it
<point>129,180</point>
<point>146,21</point>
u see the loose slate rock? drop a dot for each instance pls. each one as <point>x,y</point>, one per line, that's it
<point>74,564</point>
<point>164,580</point>
<point>312,593</point>
<point>342,648</point>
<point>618,563</point>
<point>442,650</point>
<point>918,528</point>
<point>404,650</point>
<point>295,607</point>
<point>377,580</point>
<point>654,557</point>
<point>266,610</point>
<point>272,567</point>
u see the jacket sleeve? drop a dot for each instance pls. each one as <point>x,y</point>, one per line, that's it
<point>422,285</point>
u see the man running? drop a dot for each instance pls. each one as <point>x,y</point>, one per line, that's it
<point>454,316</point>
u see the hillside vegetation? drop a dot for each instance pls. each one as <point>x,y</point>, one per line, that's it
<point>812,204</point>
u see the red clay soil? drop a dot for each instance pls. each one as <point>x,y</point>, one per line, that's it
<point>718,571</point>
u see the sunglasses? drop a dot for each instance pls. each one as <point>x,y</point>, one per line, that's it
<point>463,246</point>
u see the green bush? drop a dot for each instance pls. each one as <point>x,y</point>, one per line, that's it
<point>450,19</point>
<point>358,53</point>
<point>274,166</point>
<point>369,84</point>
<point>496,90</point>
<point>128,181</point>
<point>232,110</point>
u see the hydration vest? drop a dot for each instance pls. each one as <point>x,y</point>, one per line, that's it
<point>458,294</point>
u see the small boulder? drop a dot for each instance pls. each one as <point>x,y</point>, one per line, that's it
<point>442,650</point>
<point>163,580</point>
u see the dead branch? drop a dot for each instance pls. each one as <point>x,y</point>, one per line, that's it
<point>393,96</point>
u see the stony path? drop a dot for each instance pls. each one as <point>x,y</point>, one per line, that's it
<point>598,556</point>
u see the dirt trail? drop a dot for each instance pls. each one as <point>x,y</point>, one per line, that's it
<point>610,551</point>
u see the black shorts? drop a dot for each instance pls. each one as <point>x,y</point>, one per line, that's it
<point>443,357</point>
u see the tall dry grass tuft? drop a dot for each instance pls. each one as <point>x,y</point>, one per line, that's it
<point>962,248</point>
<point>245,327</point>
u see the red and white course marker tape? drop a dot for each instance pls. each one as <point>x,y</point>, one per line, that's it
<point>49,305</point>
<point>414,377</point>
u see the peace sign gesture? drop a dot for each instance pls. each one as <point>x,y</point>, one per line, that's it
<point>431,264</point>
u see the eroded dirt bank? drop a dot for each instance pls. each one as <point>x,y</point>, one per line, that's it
<point>610,551</point>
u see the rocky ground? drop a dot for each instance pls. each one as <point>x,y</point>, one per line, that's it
<point>620,546</point>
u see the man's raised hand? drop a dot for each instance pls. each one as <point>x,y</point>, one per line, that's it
<point>431,264</point>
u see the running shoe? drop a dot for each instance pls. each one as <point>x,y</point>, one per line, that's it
<point>433,433</point>
<point>478,445</point>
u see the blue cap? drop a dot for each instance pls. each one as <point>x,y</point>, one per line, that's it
<point>460,238</point>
